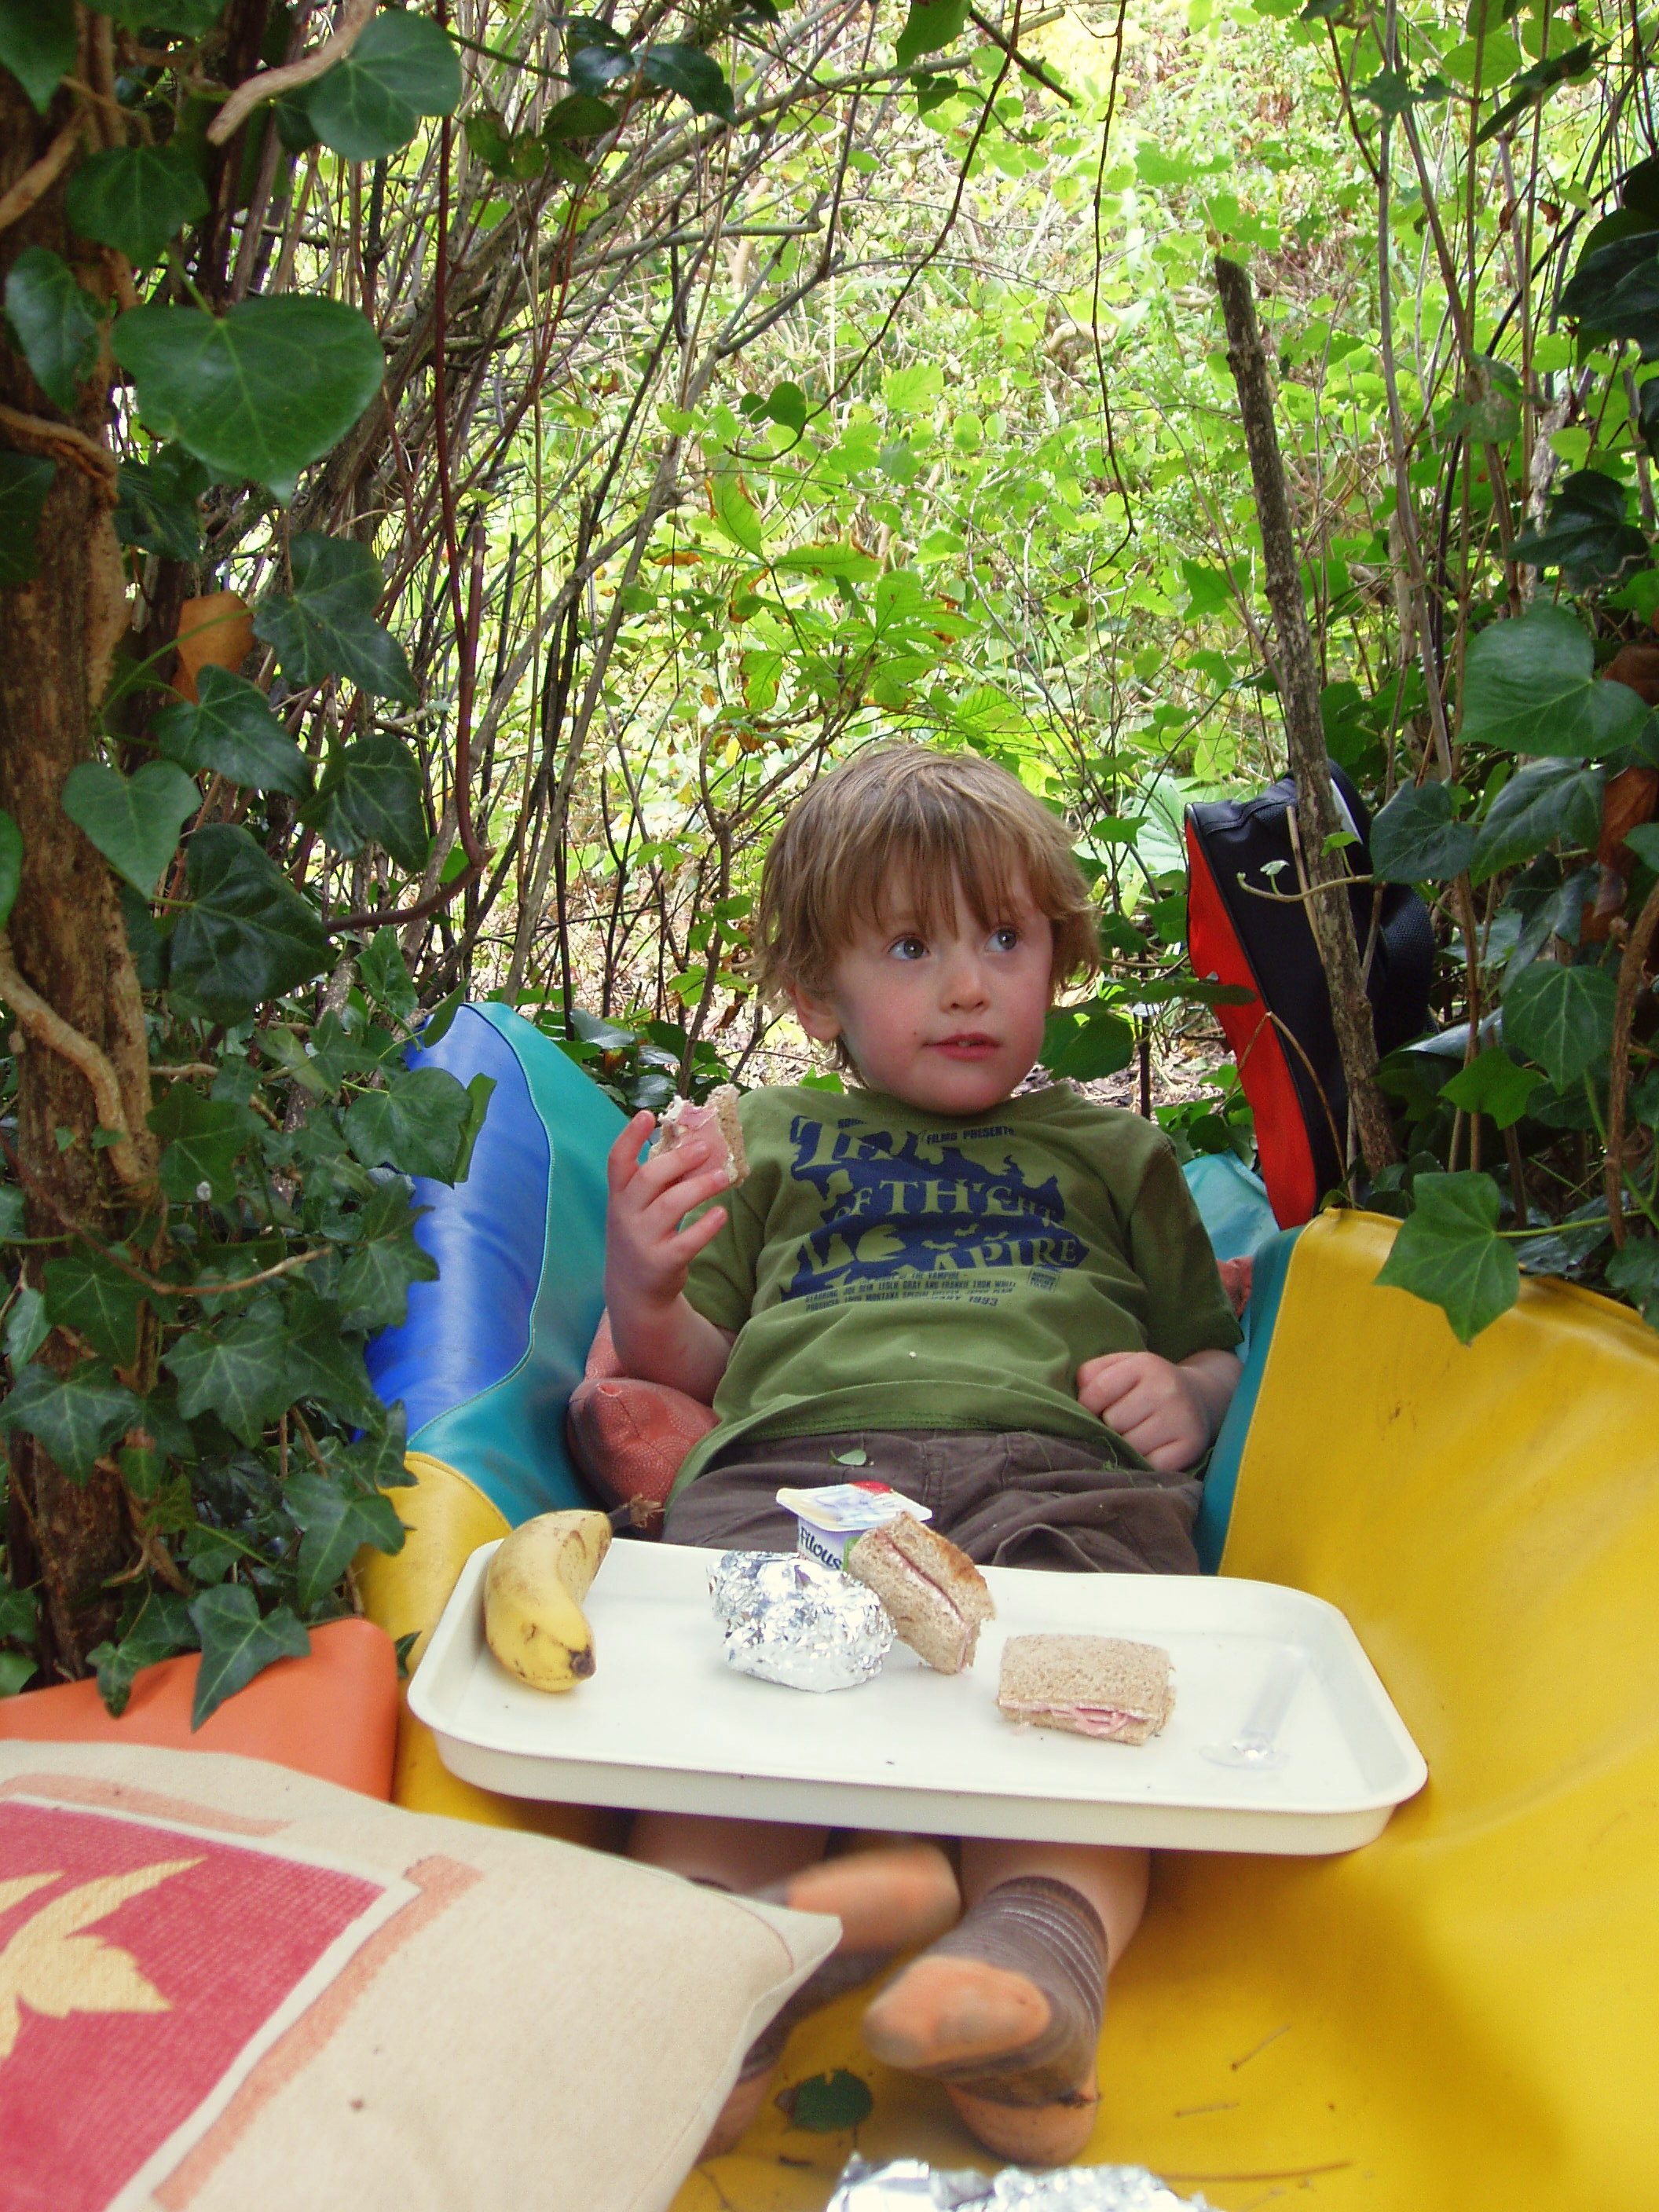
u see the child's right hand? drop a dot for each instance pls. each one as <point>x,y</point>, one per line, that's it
<point>648,1255</point>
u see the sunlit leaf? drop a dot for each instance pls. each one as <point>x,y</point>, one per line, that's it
<point>735,512</point>
<point>1494,1084</point>
<point>1448,1251</point>
<point>930,25</point>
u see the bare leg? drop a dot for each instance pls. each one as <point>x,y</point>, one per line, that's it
<point>887,1896</point>
<point>1006,2010</point>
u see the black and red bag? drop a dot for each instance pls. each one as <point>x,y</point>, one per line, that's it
<point>1284,1042</point>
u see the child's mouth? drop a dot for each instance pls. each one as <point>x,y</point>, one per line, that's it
<point>971,1045</point>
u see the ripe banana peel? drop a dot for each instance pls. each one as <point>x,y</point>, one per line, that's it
<point>533,1591</point>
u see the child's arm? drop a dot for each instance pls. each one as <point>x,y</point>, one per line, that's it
<point>1169,1412</point>
<point>659,1337</point>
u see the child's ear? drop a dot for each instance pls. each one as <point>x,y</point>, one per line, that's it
<point>815,1016</point>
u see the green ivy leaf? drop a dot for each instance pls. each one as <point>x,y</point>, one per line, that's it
<point>930,25</point>
<point>1547,800</point>
<point>232,731</point>
<point>367,105</point>
<point>237,1644</point>
<point>414,1125</point>
<point>370,794</point>
<point>25,480</point>
<point>91,1295</point>
<point>134,198</point>
<point>1389,92</point>
<point>1614,291</point>
<point>577,115</point>
<point>1081,1044</point>
<point>828,2103</point>
<point>26,1327</point>
<point>205,1138</point>
<point>337,1522</point>
<point>75,1420</point>
<point>162,1629</point>
<point>1414,840</point>
<point>1494,1084</point>
<point>1560,1019</point>
<point>479,1092</point>
<point>1449,1252</point>
<point>325,1366</point>
<point>239,1371</point>
<point>11,1213</point>
<point>157,510</point>
<point>16,1668</point>
<point>326,626</point>
<point>1634,1272</point>
<point>37,45</point>
<point>697,77</point>
<point>248,936</point>
<point>56,322</point>
<point>19,1612</point>
<point>11,865</point>
<point>134,821</point>
<point>1586,536</point>
<point>373,1286</point>
<point>384,977</point>
<point>1530,687</point>
<point>257,392</point>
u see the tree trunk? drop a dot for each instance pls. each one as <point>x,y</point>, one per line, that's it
<point>68,941</point>
<point>1317,820</point>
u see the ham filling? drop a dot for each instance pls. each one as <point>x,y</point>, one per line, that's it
<point>1105,1721</point>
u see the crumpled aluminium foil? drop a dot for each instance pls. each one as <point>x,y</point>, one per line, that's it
<point>907,2185</point>
<point>788,1619</point>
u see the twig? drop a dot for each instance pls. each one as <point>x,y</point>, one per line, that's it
<point>47,1026</point>
<point>1332,927</point>
<point>64,443</point>
<point>1301,898</point>
<point>1631,973</point>
<point>271,83</point>
<point>41,175</point>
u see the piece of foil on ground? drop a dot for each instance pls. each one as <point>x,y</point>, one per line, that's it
<point>907,2184</point>
<point>789,1620</point>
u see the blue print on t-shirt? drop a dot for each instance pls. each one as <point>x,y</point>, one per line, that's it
<point>922,1206</point>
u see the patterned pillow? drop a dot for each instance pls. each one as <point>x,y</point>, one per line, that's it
<point>227,1987</point>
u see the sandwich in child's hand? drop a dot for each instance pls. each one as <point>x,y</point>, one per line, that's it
<point>934,1596</point>
<point>717,1120</point>
<point>1096,1686</point>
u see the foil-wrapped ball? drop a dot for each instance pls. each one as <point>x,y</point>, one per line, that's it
<point>789,1620</point>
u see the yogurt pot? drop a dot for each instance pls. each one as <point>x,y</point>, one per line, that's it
<point>831,1521</point>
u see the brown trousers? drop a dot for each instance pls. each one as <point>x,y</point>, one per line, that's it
<point>1009,1501</point>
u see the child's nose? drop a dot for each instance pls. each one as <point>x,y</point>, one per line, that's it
<point>965,979</point>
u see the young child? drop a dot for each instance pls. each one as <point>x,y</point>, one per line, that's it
<point>1003,1300</point>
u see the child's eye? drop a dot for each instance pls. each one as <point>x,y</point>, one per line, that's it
<point>908,948</point>
<point>1005,939</point>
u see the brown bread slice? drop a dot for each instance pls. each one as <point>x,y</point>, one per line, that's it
<point>1097,1685</point>
<point>935,1596</point>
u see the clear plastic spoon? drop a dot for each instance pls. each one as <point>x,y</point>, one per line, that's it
<point>1256,1744</point>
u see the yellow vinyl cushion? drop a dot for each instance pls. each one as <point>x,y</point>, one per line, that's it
<point>1465,2013</point>
<point>448,1517</point>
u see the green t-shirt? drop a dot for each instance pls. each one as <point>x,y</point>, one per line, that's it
<point>889,1268</point>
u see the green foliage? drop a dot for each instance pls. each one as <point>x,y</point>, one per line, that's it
<point>230,731</point>
<point>257,392</point>
<point>326,625</point>
<point>25,480</point>
<point>370,104</point>
<point>1416,838</point>
<point>1449,1251</point>
<point>133,820</point>
<point>37,45</point>
<point>237,1641</point>
<point>1530,687</point>
<point>370,793</point>
<point>56,322</point>
<point>247,935</point>
<point>134,198</point>
<point>158,512</point>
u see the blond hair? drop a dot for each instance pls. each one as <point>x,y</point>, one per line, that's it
<point>904,822</point>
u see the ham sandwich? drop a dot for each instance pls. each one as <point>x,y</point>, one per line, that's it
<point>935,1596</point>
<point>1097,1685</point>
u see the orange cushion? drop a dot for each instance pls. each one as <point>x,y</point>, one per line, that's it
<point>333,1714</point>
<point>629,1438</point>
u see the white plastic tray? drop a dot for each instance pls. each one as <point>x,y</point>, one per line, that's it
<point>665,1724</point>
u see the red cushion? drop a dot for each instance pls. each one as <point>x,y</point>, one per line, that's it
<point>333,1714</point>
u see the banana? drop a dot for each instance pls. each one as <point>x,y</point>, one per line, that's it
<point>533,1589</point>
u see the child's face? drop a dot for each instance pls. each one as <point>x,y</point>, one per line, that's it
<point>951,1022</point>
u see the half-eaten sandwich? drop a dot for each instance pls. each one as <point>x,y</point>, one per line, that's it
<point>935,1596</point>
<point>1098,1686</point>
<point>717,1119</point>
